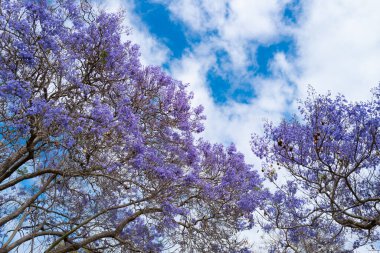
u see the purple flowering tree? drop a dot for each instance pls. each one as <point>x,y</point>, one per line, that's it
<point>291,226</point>
<point>333,156</point>
<point>98,153</point>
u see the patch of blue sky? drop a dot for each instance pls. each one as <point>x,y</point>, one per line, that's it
<point>217,79</point>
<point>265,54</point>
<point>244,93</point>
<point>218,87</point>
<point>222,82</point>
<point>223,88</point>
<point>159,23</point>
<point>292,12</point>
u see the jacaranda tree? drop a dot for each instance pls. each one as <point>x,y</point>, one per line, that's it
<point>292,227</point>
<point>99,154</point>
<point>332,153</point>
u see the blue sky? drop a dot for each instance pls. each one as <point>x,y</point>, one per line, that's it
<point>157,19</point>
<point>248,61</point>
<point>172,33</point>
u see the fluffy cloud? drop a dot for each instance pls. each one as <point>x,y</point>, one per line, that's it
<point>339,46</point>
<point>234,26</point>
<point>233,20</point>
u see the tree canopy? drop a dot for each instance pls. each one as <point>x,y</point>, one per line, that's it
<point>332,151</point>
<point>100,153</point>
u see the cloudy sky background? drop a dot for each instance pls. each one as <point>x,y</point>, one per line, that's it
<point>250,60</point>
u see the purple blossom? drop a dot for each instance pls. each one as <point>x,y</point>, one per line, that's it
<point>332,154</point>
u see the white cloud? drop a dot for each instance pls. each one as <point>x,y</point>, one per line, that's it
<point>199,15</point>
<point>239,19</point>
<point>253,20</point>
<point>234,26</point>
<point>339,46</point>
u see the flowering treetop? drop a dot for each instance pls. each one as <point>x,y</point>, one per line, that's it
<point>333,154</point>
